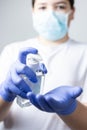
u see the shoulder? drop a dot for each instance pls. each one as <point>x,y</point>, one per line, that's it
<point>14,47</point>
<point>11,50</point>
<point>78,46</point>
<point>79,49</point>
<point>78,43</point>
<point>20,44</point>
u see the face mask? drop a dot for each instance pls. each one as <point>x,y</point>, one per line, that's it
<point>51,25</point>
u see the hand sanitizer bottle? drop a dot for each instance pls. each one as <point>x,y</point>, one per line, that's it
<point>33,61</point>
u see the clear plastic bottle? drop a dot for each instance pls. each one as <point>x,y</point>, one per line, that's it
<point>33,61</point>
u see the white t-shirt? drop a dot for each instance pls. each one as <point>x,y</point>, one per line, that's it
<point>66,64</point>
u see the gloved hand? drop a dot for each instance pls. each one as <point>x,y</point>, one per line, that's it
<point>61,100</point>
<point>14,84</point>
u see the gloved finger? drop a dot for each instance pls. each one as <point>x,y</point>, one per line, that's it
<point>24,51</point>
<point>33,100</point>
<point>23,95</point>
<point>42,68</point>
<point>22,85</point>
<point>44,103</point>
<point>55,104</point>
<point>15,90</point>
<point>19,92</point>
<point>55,98</point>
<point>19,82</point>
<point>39,102</point>
<point>19,68</point>
<point>29,73</point>
<point>76,91</point>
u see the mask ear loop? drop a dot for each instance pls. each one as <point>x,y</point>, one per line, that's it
<point>68,13</point>
<point>67,16</point>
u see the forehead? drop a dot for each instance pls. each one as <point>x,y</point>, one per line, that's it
<point>50,1</point>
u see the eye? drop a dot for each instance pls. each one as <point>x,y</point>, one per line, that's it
<point>61,7</point>
<point>42,8</point>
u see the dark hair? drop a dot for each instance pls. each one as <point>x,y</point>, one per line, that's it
<point>71,3</point>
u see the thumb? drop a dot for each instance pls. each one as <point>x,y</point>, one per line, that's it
<point>24,52</point>
<point>76,91</point>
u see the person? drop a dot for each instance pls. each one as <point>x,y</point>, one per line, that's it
<point>66,78</point>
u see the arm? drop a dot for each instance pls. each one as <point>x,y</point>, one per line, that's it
<point>78,119</point>
<point>13,84</point>
<point>4,108</point>
<point>62,101</point>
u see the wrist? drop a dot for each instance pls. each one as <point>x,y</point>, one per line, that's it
<point>70,109</point>
<point>6,94</point>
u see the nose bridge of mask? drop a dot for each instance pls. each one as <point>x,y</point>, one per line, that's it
<point>56,17</point>
<point>59,17</point>
<point>63,16</point>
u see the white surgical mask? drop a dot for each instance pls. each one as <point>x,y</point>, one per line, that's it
<point>51,25</point>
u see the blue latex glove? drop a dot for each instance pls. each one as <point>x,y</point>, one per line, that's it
<point>61,100</point>
<point>14,84</point>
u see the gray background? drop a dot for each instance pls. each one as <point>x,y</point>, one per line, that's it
<point>16,21</point>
